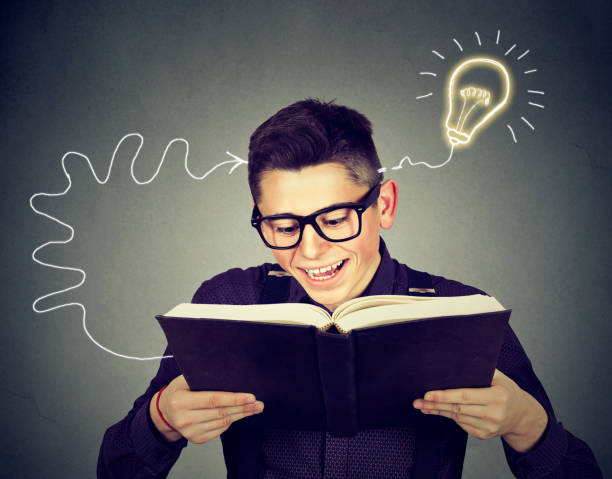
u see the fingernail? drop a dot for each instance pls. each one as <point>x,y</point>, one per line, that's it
<point>249,398</point>
<point>259,407</point>
<point>429,397</point>
<point>417,403</point>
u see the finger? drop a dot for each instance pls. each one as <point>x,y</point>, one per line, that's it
<point>474,410</point>
<point>205,435</point>
<point>201,428</point>
<point>177,383</point>
<point>476,432</point>
<point>480,396</point>
<point>227,420</point>
<point>500,378</point>
<point>458,418</point>
<point>203,415</point>
<point>210,399</point>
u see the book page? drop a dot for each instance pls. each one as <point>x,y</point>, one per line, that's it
<point>395,313</point>
<point>364,302</point>
<point>283,313</point>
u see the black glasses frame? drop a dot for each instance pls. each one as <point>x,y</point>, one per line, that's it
<point>359,207</point>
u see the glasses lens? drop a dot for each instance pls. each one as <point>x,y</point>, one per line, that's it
<point>339,224</point>
<point>281,231</point>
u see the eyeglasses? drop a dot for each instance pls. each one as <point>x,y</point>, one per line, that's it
<point>335,223</point>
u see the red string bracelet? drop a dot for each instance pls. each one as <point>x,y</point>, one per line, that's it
<point>159,410</point>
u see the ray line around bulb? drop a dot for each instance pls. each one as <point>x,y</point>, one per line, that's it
<point>537,92</point>
<point>437,54</point>
<point>523,54</point>
<point>238,161</point>
<point>428,73</point>
<point>478,39</point>
<point>497,39</point>
<point>530,71</point>
<point>512,132</point>
<point>420,97</point>
<point>535,104</point>
<point>458,44</point>
<point>528,124</point>
<point>509,50</point>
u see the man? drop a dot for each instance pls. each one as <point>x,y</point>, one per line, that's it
<point>318,203</point>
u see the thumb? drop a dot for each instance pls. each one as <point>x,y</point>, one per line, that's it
<point>178,383</point>
<point>498,377</point>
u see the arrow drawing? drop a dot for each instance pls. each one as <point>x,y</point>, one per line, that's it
<point>235,161</point>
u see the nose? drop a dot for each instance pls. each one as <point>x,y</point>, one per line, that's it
<point>312,244</point>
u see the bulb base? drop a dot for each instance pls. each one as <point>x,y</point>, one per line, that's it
<point>457,137</point>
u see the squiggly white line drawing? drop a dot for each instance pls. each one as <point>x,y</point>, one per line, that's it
<point>399,166</point>
<point>238,161</point>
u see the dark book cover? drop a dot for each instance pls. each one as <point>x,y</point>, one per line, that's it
<point>342,383</point>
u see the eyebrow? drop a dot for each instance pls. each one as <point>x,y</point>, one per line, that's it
<point>344,203</point>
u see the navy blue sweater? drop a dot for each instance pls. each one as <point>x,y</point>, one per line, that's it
<point>134,448</point>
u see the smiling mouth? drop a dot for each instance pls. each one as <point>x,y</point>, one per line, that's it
<point>327,272</point>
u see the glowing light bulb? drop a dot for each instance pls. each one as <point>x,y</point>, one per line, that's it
<point>471,105</point>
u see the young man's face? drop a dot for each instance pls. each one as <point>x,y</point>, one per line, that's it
<point>313,188</point>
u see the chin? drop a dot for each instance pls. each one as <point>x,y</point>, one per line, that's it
<point>327,292</point>
<point>327,299</point>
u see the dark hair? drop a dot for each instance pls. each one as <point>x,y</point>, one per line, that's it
<point>311,132</point>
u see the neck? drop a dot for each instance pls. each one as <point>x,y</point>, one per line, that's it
<point>361,286</point>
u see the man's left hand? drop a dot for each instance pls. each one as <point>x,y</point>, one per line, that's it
<point>503,409</point>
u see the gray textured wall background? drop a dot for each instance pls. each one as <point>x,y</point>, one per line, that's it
<point>527,222</point>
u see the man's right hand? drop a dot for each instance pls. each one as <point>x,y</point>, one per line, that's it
<point>199,416</point>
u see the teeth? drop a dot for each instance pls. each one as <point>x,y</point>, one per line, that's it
<point>312,272</point>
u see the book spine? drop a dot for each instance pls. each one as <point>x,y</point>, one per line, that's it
<point>337,372</point>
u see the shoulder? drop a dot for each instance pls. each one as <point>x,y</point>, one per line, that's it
<point>234,286</point>
<point>405,276</point>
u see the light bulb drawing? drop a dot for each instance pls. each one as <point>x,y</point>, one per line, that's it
<point>478,104</point>
<point>472,105</point>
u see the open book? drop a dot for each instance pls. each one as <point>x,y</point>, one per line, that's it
<point>355,313</point>
<point>390,350</point>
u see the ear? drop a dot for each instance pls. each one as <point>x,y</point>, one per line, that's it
<point>387,203</point>
<point>252,203</point>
